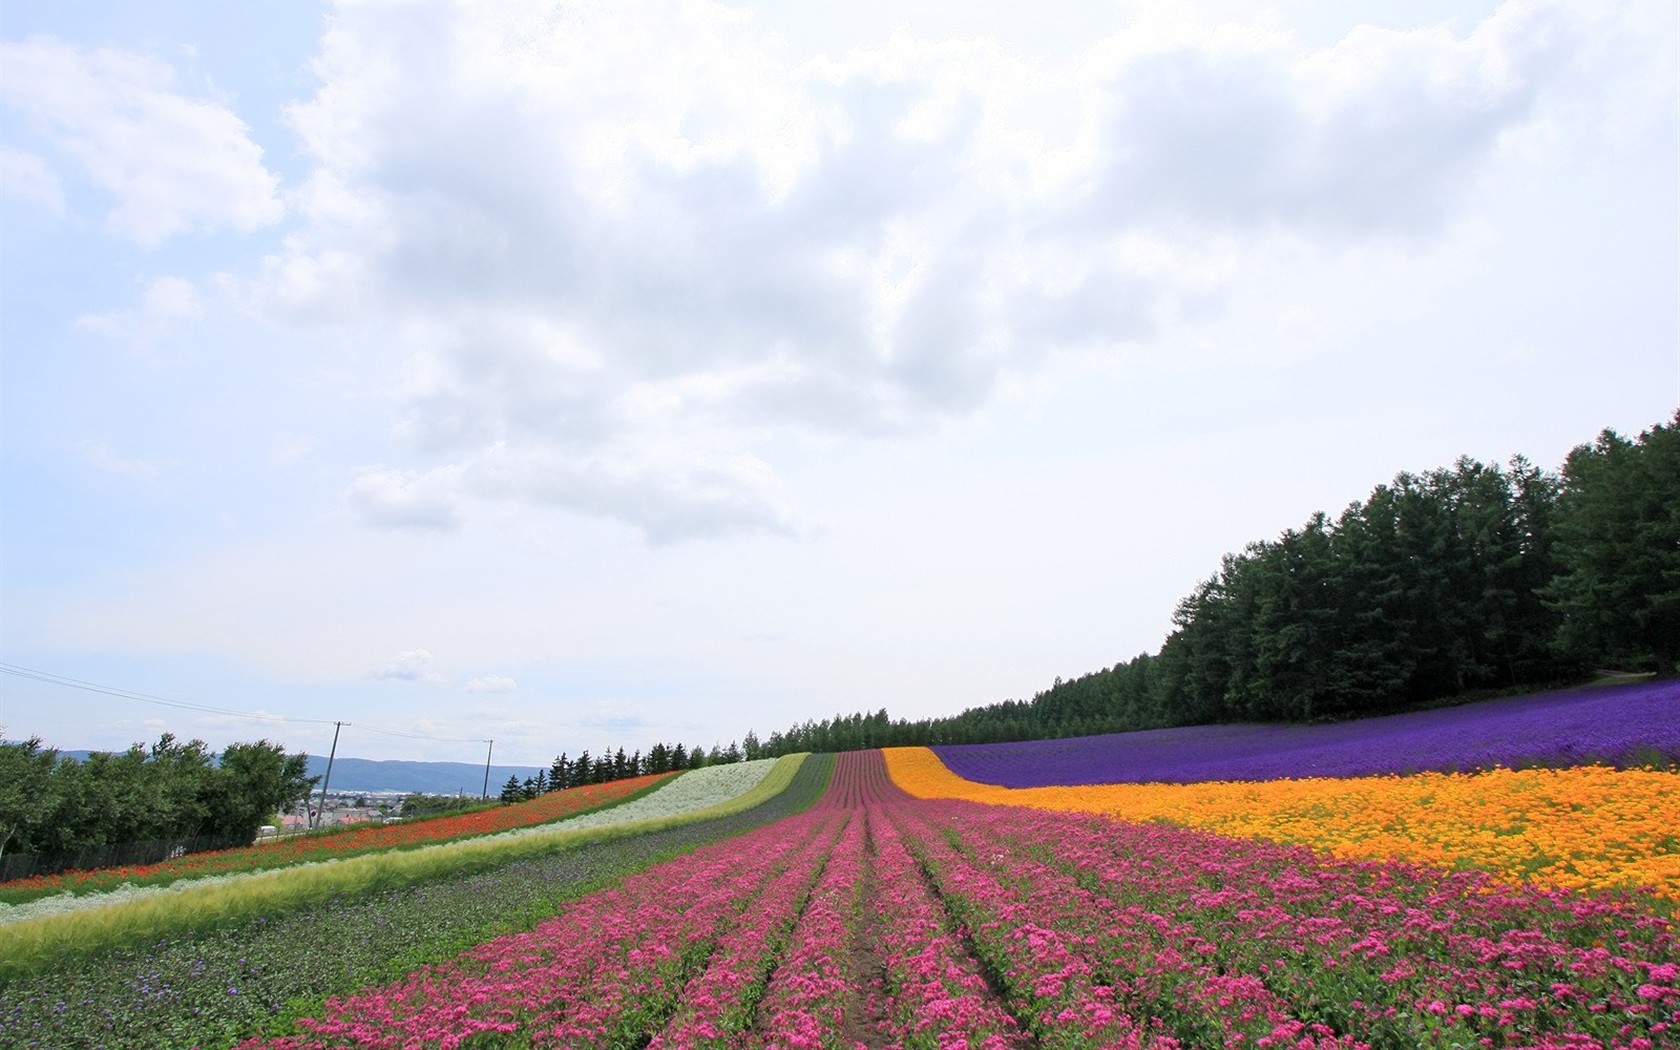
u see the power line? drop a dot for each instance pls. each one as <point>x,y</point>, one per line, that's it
<point>147,698</point>
<point>19,671</point>
<point>188,705</point>
<point>414,736</point>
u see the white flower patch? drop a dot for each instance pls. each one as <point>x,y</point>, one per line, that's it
<point>690,791</point>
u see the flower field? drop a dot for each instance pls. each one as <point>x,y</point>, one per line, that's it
<point>880,920</point>
<point>694,790</point>
<point>1584,828</point>
<point>1621,726</point>
<point>894,904</point>
<point>697,794</point>
<point>350,842</point>
<point>224,979</point>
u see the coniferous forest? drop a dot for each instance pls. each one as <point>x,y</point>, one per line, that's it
<point>1465,580</point>
<point>610,765</point>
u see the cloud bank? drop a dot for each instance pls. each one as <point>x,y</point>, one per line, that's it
<point>630,251</point>
<point>173,163</point>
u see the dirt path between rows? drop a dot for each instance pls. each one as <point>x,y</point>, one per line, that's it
<point>865,1021</point>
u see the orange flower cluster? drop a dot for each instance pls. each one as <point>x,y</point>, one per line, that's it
<point>1589,827</point>
<point>365,838</point>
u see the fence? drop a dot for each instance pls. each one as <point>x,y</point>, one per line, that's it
<point>24,865</point>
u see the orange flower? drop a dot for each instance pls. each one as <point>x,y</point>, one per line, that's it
<point>1587,828</point>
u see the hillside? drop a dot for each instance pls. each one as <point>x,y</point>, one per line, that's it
<point>428,778</point>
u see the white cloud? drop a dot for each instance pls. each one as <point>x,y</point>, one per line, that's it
<point>412,665</point>
<point>492,683</point>
<point>173,163</point>
<point>288,450</point>
<point>234,724</point>
<point>635,252</point>
<point>408,499</point>
<point>614,717</point>
<point>1381,133</point>
<point>101,456</point>
<point>166,305</point>
<point>27,177</point>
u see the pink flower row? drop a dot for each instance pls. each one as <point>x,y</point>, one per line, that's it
<point>1058,947</point>
<point>607,972</point>
<point>722,1001</point>
<point>938,998</point>
<point>804,1005</point>
<point>1145,934</point>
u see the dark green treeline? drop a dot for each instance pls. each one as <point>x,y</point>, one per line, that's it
<point>616,765</point>
<point>1461,580</point>
<point>173,792</point>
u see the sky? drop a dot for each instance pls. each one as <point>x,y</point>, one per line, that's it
<point>574,375</point>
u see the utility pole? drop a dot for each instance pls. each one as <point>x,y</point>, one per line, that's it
<point>321,810</point>
<point>486,792</point>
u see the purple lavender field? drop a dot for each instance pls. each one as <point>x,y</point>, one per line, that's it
<point>1618,725</point>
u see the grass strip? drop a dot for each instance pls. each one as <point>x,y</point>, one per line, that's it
<point>36,944</point>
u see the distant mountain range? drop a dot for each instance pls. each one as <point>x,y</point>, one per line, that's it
<point>427,778</point>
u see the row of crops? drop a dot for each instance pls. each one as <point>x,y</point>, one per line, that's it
<point>882,900</point>
<point>136,976</point>
<point>945,923</point>
<point>337,844</point>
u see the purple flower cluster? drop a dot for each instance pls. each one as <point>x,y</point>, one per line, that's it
<point>1622,725</point>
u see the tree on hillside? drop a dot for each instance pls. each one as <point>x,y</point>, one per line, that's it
<point>511,791</point>
<point>169,793</point>
<point>252,783</point>
<point>27,795</point>
<point>1618,550</point>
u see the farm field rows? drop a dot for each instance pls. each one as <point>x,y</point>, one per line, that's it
<point>695,795</point>
<point>688,792</point>
<point>230,976</point>
<point>888,921</point>
<point>1622,726</point>
<point>337,844</point>
<point>897,905</point>
<point>1586,828</point>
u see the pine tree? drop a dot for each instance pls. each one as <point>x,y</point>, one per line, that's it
<point>511,791</point>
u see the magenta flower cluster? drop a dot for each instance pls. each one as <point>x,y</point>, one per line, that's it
<point>1112,934</point>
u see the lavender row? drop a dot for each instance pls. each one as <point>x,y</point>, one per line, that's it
<point>1623,726</point>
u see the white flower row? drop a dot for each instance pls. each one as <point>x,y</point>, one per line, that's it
<point>693,790</point>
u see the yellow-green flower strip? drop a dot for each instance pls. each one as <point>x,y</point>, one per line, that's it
<point>1586,828</point>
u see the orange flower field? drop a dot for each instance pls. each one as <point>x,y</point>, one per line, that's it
<point>1588,827</point>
